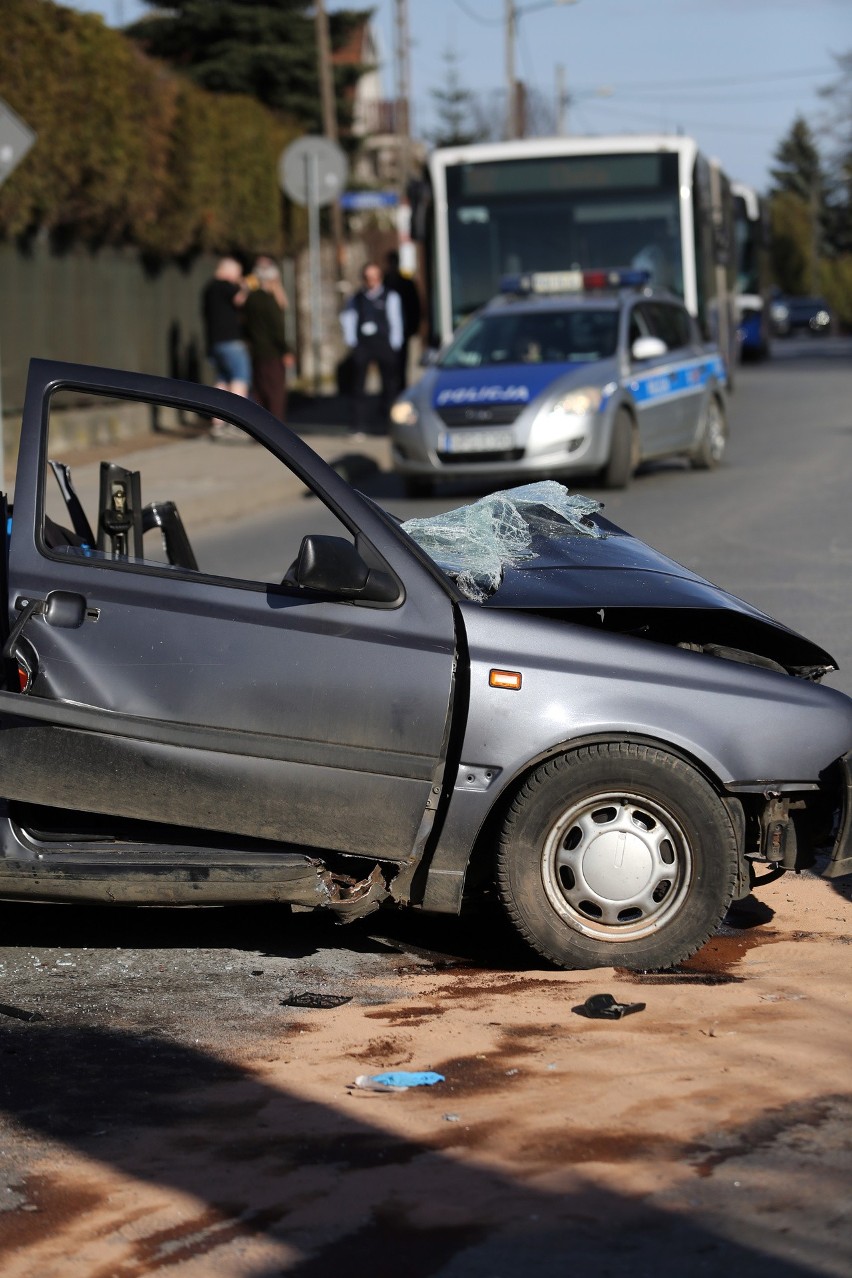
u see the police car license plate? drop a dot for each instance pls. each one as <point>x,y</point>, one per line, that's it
<point>477,441</point>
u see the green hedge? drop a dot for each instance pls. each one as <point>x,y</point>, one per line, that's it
<point>128,152</point>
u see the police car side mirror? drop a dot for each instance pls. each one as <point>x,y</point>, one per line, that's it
<point>429,357</point>
<point>648,348</point>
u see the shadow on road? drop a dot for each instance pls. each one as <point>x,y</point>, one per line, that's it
<point>482,938</point>
<point>333,1190</point>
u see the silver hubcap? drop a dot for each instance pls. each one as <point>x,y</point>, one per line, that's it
<point>616,866</point>
<point>715,431</point>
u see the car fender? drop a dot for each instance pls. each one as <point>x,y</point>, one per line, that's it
<point>578,685</point>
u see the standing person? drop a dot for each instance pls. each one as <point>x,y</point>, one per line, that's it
<point>372,328</point>
<point>409,296</point>
<point>221,300</point>
<point>263,316</point>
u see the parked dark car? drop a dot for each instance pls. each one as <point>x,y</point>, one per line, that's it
<point>800,315</point>
<point>515,695</point>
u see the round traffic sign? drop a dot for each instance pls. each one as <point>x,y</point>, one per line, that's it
<point>312,162</point>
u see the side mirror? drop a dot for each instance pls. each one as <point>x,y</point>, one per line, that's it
<point>333,566</point>
<point>430,357</point>
<point>648,348</point>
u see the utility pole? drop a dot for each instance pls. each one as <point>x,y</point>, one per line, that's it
<point>329,118</point>
<point>511,83</point>
<point>515,116</point>
<point>562,102</point>
<point>402,121</point>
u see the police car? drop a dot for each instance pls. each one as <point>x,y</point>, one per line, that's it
<point>565,373</point>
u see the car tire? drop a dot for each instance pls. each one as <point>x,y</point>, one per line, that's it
<point>713,436</point>
<point>418,486</point>
<point>616,855</point>
<point>623,452</point>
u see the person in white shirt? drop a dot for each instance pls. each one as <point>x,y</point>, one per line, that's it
<point>373,331</point>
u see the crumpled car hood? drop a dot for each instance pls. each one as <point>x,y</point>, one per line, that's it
<point>540,548</point>
<point>620,583</point>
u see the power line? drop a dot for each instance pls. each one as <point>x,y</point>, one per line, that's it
<point>477,17</point>
<point>777,95</point>
<point>723,81</point>
<point>699,124</point>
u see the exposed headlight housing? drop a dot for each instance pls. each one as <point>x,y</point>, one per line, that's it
<point>778,311</point>
<point>822,319</point>
<point>577,403</point>
<point>403,413</point>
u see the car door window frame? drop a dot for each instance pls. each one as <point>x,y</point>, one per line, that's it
<point>155,568</point>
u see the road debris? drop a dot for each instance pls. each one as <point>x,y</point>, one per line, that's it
<point>20,1013</point>
<point>603,1007</point>
<point>311,999</point>
<point>396,1080</point>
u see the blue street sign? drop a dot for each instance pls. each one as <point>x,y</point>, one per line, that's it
<point>359,201</point>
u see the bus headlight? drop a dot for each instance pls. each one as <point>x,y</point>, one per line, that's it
<point>577,403</point>
<point>403,413</point>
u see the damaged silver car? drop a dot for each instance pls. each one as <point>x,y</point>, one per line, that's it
<point>516,694</point>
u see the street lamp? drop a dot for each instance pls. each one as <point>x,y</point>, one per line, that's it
<point>513,13</point>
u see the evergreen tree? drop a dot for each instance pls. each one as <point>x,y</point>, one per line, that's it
<point>798,168</point>
<point>455,108</point>
<point>837,133</point>
<point>263,48</point>
<point>797,210</point>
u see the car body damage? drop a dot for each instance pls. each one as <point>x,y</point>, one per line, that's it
<point>516,695</point>
<point>540,549</point>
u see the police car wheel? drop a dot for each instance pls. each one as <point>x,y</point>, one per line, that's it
<point>623,452</point>
<point>713,437</point>
<point>618,855</point>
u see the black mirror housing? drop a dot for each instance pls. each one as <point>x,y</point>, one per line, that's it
<point>333,566</point>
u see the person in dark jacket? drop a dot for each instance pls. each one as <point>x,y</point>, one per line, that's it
<point>263,326</point>
<point>373,331</point>
<point>409,296</point>
<point>221,305</point>
<point>221,300</point>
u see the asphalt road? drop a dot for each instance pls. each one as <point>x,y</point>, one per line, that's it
<point>772,525</point>
<point>168,1111</point>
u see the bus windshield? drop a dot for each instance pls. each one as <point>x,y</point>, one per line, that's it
<point>544,337</point>
<point>560,212</point>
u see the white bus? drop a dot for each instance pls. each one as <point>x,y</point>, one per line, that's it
<point>752,287</point>
<point>544,204</point>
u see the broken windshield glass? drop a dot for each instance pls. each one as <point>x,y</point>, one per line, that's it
<point>473,544</point>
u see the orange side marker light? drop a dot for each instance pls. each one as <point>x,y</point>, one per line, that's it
<point>510,679</point>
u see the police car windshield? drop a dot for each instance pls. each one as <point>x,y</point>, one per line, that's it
<point>540,337</point>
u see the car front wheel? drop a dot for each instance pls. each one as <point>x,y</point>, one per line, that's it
<point>713,437</point>
<point>616,855</point>
<point>623,452</point>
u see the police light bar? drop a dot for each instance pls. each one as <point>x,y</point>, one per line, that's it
<point>543,282</point>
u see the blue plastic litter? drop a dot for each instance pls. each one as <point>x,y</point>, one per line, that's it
<point>403,1078</point>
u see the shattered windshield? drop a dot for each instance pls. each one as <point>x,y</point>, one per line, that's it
<point>474,544</point>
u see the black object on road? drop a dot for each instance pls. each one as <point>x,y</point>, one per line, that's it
<point>19,1013</point>
<point>603,1007</point>
<point>309,999</point>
